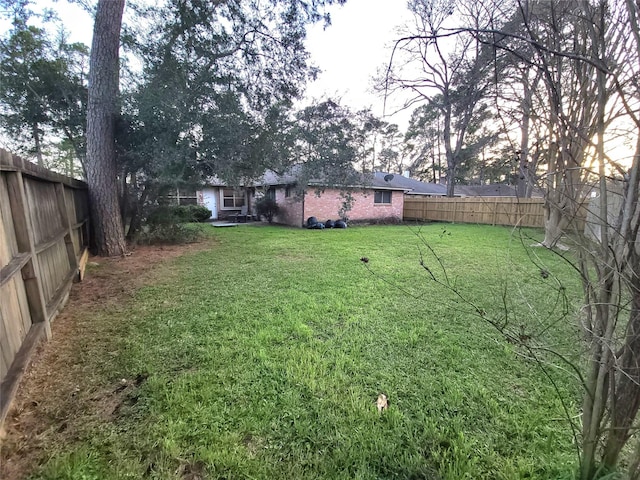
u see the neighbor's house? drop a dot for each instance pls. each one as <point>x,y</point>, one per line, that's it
<point>492,190</point>
<point>371,199</point>
<point>414,187</point>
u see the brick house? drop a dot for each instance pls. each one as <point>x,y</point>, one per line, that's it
<point>224,201</point>
<point>372,199</point>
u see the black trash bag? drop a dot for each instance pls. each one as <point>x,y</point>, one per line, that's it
<point>339,224</point>
<point>329,224</point>
<point>311,221</point>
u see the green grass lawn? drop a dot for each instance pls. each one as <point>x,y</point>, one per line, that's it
<point>262,358</point>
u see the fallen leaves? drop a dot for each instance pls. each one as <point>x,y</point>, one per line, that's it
<point>382,403</point>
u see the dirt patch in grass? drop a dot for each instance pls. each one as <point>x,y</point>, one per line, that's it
<point>57,392</point>
<point>191,471</point>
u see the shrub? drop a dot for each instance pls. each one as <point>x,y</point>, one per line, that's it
<point>268,207</point>
<point>163,215</point>
<point>166,214</point>
<point>197,213</point>
<point>167,224</point>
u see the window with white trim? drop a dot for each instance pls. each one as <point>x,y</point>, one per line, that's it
<point>232,199</point>
<point>382,197</point>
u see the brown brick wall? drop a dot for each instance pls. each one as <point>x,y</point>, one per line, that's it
<point>327,206</point>
<point>294,211</point>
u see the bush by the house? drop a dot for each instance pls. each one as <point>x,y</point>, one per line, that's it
<point>192,213</point>
<point>268,207</point>
<point>170,214</point>
<point>167,224</point>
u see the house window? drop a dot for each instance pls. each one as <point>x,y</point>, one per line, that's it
<point>232,198</point>
<point>382,196</point>
<point>287,192</point>
<point>182,197</point>
<point>271,193</point>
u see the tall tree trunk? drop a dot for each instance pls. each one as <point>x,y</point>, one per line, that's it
<point>524,173</point>
<point>634,468</point>
<point>446,137</point>
<point>141,194</point>
<point>627,396</point>
<point>439,146</point>
<point>626,401</point>
<point>80,155</point>
<point>108,233</point>
<point>35,130</point>
<point>553,224</point>
<point>554,218</point>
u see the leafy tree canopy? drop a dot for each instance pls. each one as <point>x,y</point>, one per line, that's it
<point>214,93</point>
<point>42,88</point>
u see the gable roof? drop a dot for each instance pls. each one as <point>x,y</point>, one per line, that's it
<point>214,181</point>
<point>368,181</point>
<point>271,178</point>
<point>413,186</point>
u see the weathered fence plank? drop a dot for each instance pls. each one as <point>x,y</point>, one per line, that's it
<point>43,234</point>
<point>524,212</point>
<point>24,240</point>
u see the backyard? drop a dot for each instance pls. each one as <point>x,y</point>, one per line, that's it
<point>260,353</point>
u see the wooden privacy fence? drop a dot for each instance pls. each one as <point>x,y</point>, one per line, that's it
<point>523,212</point>
<point>44,233</point>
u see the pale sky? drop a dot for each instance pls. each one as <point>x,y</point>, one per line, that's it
<point>349,52</point>
<point>352,49</point>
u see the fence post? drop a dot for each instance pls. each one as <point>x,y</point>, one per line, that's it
<point>495,212</point>
<point>66,222</point>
